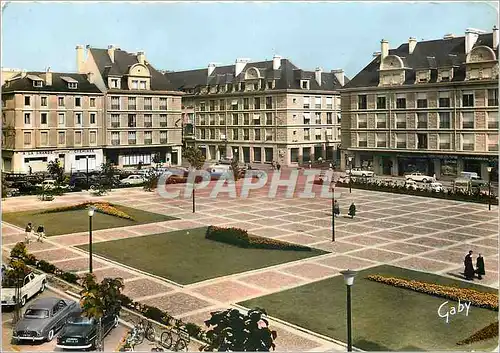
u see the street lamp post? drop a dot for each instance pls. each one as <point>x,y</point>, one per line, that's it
<point>489,188</point>
<point>194,188</point>
<point>350,174</point>
<point>91,214</point>
<point>333,212</point>
<point>349,281</point>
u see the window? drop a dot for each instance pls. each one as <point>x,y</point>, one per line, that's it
<point>235,134</point>
<point>468,142</point>
<point>329,119</point>
<point>43,118</point>
<point>401,101</point>
<point>115,103</point>
<point>467,99</point>
<point>203,106</point>
<point>78,137</point>
<point>27,118</point>
<point>307,118</point>
<point>493,120</point>
<point>401,121</point>
<point>256,103</point>
<point>307,103</point>
<point>222,119</point>
<point>44,138</point>
<point>246,134</point>
<point>242,86</point>
<point>444,120</point>
<point>234,104</point>
<point>329,134</point>
<point>132,103</point>
<point>115,138</point>
<point>37,83</point>
<point>362,139</point>
<point>317,134</point>
<point>27,138</point>
<point>163,136</point>
<point>362,101</point>
<point>92,118</point>
<point>270,84</point>
<point>381,102</point>
<point>135,84</point>
<point>294,155</point>
<point>493,97</point>
<point>211,134</point>
<point>148,137</point>
<point>444,141</point>
<point>492,142</point>
<point>211,105</point>
<point>422,141</point>
<point>93,137</point>
<point>400,140</point>
<point>467,120</point>
<point>132,138</point>
<point>329,103</point>
<point>269,102</point>
<point>142,85</point>
<point>27,101</point>
<point>115,120</point>
<point>78,118</point>
<point>163,120</point>
<point>444,99</point>
<point>381,139</point>
<point>362,122</point>
<point>269,118</point>
<point>148,103</point>
<point>307,134</point>
<point>222,104</point>
<point>72,85</point>
<point>246,103</point>
<point>60,101</point>
<point>131,120</point>
<point>422,120</point>
<point>381,121</point>
<point>61,120</point>
<point>257,154</point>
<point>61,138</point>
<point>304,84</point>
<point>43,101</point>
<point>235,119</point>
<point>92,102</point>
<point>445,75</point>
<point>78,102</point>
<point>269,135</point>
<point>317,118</point>
<point>211,119</point>
<point>317,102</point>
<point>115,83</point>
<point>148,120</point>
<point>256,119</point>
<point>257,134</point>
<point>421,100</point>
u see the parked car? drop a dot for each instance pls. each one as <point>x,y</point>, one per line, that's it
<point>478,182</point>
<point>24,187</point>
<point>360,172</point>
<point>32,284</point>
<point>80,332</point>
<point>50,184</point>
<point>437,187</point>
<point>44,318</point>
<point>420,177</point>
<point>411,184</point>
<point>133,179</point>
<point>11,192</point>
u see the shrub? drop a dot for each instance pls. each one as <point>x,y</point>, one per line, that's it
<point>154,313</point>
<point>193,329</point>
<point>485,333</point>
<point>102,207</point>
<point>31,259</point>
<point>19,251</point>
<point>70,277</point>
<point>46,266</point>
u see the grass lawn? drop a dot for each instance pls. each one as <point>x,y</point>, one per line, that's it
<point>188,257</point>
<point>75,221</point>
<point>385,318</point>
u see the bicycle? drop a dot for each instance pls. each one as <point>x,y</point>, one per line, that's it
<point>180,344</point>
<point>145,329</point>
<point>156,347</point>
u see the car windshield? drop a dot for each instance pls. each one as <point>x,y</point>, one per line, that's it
<point>82,320</point>
<point>36,314</point>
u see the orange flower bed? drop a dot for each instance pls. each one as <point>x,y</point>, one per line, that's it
<point>485,333</point>
<point>477,298</point>
<point>100,206</point>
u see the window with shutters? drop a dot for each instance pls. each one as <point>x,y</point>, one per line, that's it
<point>467,120</point>
<point>492,142</point>
<point>468,142</point>
<point>381,139</point>
<point>400,140</point>
<point>421,100</point>
<point>362,121</point>
<point>44,138</point>
<point>493,120</point>
<point>307,103</point>
<point>422,120</point>
<point>381,121</point>
<point>444,141</point>
<point>444,99</point>
<point>468,99</point>
<point>362,101</point>
<point>27,138</point>
<point>444,120</point>
<point>78,137</point>
<point>362,139</point>
<point>381,102</point>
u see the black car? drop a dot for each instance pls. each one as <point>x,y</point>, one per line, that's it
<point>25,187</point>
<point>80,332</point>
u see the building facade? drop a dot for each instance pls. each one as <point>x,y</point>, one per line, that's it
<point>50,116</point>
<point>427,106</point>
<point>142,108</point>
<point>261,112</point>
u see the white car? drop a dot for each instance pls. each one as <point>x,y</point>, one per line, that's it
<point>411,184</point>
<point>437,187</point>
<point>360,172</point>
<point>419,177</point>
<point>50,184</point>
<point>31,285</point>
<point>133,179</point>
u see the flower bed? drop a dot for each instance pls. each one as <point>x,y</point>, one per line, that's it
<point>485,333</point>
<point>101,206</point>
<point>241,238</point>
<point>477,298</point>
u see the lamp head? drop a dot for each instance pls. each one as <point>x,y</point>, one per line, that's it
<point>91,211</point>
<point>350,159</point>
<point>490,169</point>
<point>349,276</point>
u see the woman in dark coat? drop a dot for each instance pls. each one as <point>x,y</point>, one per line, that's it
<point>480,267</point>
<point>469,268</point>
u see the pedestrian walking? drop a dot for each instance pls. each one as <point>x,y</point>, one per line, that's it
<point>28,230</point>
<point>480,267</point>
<point>310,164</point>
<point>336,208</point>
<point>40,232</point>
<point>31,170</point>
<point>278,166</point>
<point>330,166</point>
<point>273,166</point>
<point>352,210</point>
<point>469,268</point>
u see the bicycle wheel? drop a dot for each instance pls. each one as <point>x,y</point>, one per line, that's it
<point>181,346</point>
<point>166,339</point>
<point>139,337</point>
<point>150,333</point>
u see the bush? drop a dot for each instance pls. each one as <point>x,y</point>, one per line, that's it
<point>19,251</point>
<point>154,313</point>
<point>193,329</point>
<point>70,277</point>
<point>46,266</point>
<point>485,333</point>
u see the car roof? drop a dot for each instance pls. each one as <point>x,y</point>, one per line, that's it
<point>45,303</point>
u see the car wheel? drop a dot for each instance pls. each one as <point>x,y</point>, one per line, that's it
<point>23,301</point>
<point>363,175</point>
<point>42,287</point>
<point>424,180</point>
<point>50,335</point>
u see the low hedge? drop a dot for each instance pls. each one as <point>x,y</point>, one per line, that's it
<point>485,333</point>
<point>240,237</point>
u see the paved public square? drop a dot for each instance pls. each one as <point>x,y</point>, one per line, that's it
<point>424,234</point>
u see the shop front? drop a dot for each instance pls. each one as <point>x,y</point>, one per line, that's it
<point>132,157</point>
<point>412,164</point>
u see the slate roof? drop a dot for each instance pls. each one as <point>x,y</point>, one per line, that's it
<point>288,76</point>
<point>19,83</point>
<point>123,61</point>
<point>432,54</point>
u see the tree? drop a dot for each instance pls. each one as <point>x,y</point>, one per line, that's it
<point>106,178</point>
<point>4,187</point>
<point>56,170</point>
<point>98,300</point>
<point>151,179</point>
<point>234,331</point>
<point>156,158</point>
<point>194,156</point>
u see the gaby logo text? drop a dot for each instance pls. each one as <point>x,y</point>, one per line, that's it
<point>446,310</point>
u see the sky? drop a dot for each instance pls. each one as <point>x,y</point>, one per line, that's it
<point>183,36</point>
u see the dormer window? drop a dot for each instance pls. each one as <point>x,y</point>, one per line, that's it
<point>142,84</point>
<point>37,83</point>
<point>72,85</point>
<point>135,84</point>
<point>114,83</point>
<point>304,84</point>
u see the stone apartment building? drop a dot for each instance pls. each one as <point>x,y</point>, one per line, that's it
<point>429,106</point>
<point>261,112</point>
<point>48,116</point>
<point>142,108</point>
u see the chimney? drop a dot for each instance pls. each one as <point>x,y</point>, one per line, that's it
<point>48,77</point>
<point>471,36</point>
<point>318,73</point>
<point>240,65</point>
<point>384,49</point>
<point>449,36</point>
<point>495,38</point>
<point>111,53</point>
<point>80,60</point>
<point>339,75</point>
<point>141,57</point>
<point>211,68</point>
<point>90,77</point>
<point>412,43</point>
<point>276,62</point>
